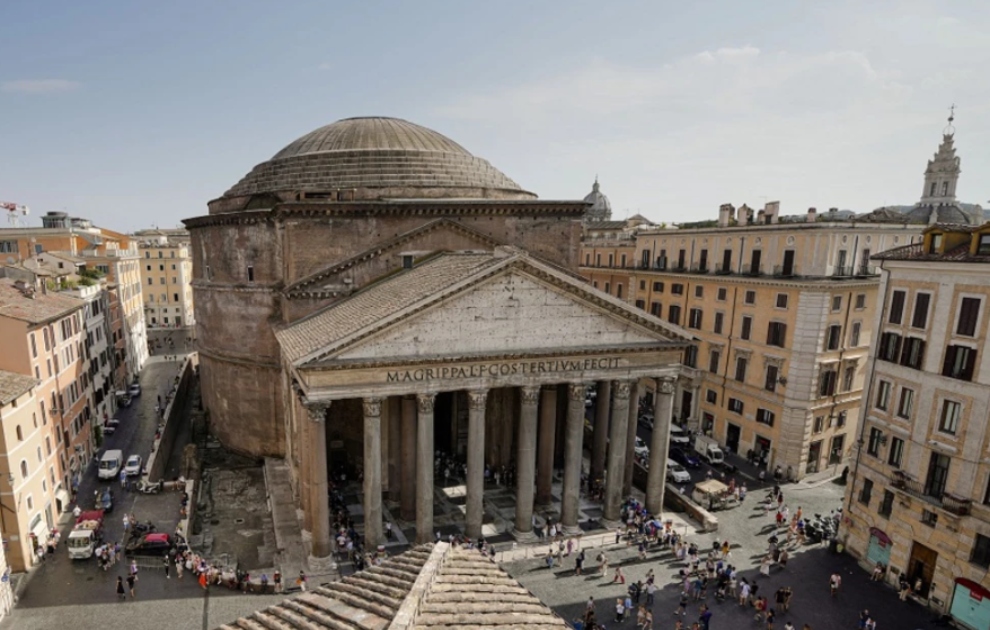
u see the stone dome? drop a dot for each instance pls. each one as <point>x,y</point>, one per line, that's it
<point>375,158</point>
<point>601,208</point>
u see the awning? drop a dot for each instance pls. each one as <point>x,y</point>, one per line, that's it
<point>63,497</point>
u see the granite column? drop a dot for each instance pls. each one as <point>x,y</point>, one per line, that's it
<point>548,433</point>
<point>475,509</point>
<point>616,452</point>
<point>663,406</point>
<point>573,456</point>
<point>424,469</point>
<point>526,462</point>
<point>372,472</point>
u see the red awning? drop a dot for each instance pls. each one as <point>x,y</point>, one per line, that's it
<point>881,536</point>
<point>974,587</point>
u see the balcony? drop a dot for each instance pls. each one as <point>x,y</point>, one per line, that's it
<point>945,500</point>
<point>679,268</point>
<point>723,270</point>
<point>842,272</point>
<point>867,271</point>
<point>780,271</point>
<point>752,271</point>
<point>699,269</point>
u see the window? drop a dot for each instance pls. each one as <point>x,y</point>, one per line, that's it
<point>860,301</point>
<point>735,405</point>
<point>750,297</point>
<point>890,347</point>
<point>948,421</point>
<point>618,290</point>
<point>969,314</point>
<point>781,300</point>
<point>938,475</point>
<point>611,258</point>
<point>151,281</point>
<point>34,347</point>
<point>840,420</point>
<point>747,327</point>
<point>848,378</point>
<point>641,304</point>
<point>770,384</point>
<point>836,303</point>
<point>866,492</point>
<point>711,397</point>
<point>896,452</point>
<point>936,242</point>
<point>161,281</point>
<point>674,314</point>
<point>826,382</point>
<point>776,334</point>
<point>920,317</point>
<point>587,259</point>
<point>906,403</point>
<point>644,259</point>
<point>713,360</point>
<point>873,444</point>
<point>24,470</point>
<point>887,504</point>
<point>986,494</point>
<point>175,298</point>
<point>20,434</point>
<point>719,322</point>
<point>250,273</point>
<point>854,334</point>
<point>699,291</point>
<point>642,285</point>
<point>720,294</point>
<point>981,551</point>
<point>656,309</point>
<point>929,518</point>
<point>896,307</point>
<point>694,318</point>
<point>913,352</point>
<point>960,361</point>
<point>833,337</point>
<point>677,289</point>
<point>983,248</point>
<point>658,287</point>
<point>765,416</point>
<point>608,288</point>
<point>691,356</point>
<point>819,424</point>
<point>598,260</point>
<point>741,364</point>
<point>883,395</point>
<point>623,261</point>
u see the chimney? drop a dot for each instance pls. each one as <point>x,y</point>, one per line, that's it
<point>772,210</point>
<point>761,217</point>
<point>724,214</point>
<point>812,215</point>
<point>743,217</point>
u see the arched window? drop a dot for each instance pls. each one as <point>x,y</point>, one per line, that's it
<point>20,433</point>
<point>945,188</point>
<point>24,469</point>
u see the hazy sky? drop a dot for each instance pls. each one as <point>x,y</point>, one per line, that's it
<point>137,113</point>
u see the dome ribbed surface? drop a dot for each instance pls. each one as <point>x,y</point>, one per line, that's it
<point>389,155</point>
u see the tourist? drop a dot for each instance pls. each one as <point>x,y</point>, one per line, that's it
<point>834,582</point>
<point>121,594</point>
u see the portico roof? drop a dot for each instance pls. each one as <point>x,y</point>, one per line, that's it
<point>374,312</point>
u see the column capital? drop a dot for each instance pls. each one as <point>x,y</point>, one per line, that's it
<point>577,391</point>
<point>372,406</point>
<point>477,398</point>
<point>665,385</point>
<point>317,410</point>
<point>620,389</point>
<point>425,402</point>
<point>530,394</point>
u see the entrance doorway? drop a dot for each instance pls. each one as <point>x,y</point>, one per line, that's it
<point>762,451</point>
<point>835,453</point>
<point>686,401</point>
<point>732,433</point>
<point>444,438</point>
<point>814,456</point>
<point>921,569</point>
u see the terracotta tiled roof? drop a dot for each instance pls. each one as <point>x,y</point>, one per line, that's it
<point>40,308</point>
<point>470,591</point>
<point>13,385</point>
<point>424,588</point>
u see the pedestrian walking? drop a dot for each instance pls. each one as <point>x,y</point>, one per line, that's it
<point>178,566</point>
<point>705,618</point>
<point>167,564</point>
<point>301,581</point>
<point>834,582</point>
<point>121,594</point>
<point>277,578</point>
<point>131,580</point>
<point>620,610</point>
<point>388,530</point>
<point>134,569</point>
<point>123,480</point>
<point>619,577</point>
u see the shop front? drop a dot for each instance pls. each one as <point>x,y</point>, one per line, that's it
<point>879,549</point>
<point>970,604</point>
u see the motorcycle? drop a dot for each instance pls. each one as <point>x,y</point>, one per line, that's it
<point>146,487</point>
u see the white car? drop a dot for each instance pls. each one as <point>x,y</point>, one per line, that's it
<point>641,449</point>
<point>134,390</point>
<point>678,435</point>
<point>133,466</point>
<point>677,473</point>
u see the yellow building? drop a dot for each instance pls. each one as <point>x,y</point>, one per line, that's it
<point>782,312</point>
<point>919,496</point>
<point>166,275</point>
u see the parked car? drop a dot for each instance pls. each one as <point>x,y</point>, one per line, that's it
<point>640,448</point>
<point>677,473</point>
<point>155,544</point>
<point>679,435</point>
<point>133,466</point>
<point>104,500</point>
<point>646,419</point>
<point>685,458</point>
<point>134,390</point>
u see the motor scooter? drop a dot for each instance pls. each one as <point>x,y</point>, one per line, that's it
<point>146,487</point>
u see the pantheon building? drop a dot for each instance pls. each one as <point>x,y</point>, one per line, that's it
<point>374,294</point>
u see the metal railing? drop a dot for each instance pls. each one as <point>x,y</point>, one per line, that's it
<point>753,271</point>
<point>945,500</point>
<point>867,270</point>
<point>780,272</point>
<point>842,272</point>
<point>723,270</point>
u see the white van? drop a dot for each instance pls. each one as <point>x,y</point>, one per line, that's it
<point>110,464</point>
<point>678,436</point>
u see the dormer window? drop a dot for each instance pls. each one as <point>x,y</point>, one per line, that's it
<point>983,249</point>
<point>936,244</point>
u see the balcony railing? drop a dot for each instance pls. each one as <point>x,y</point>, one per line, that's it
<point>945,500</point>
<point>780,272</point>
<point>842,272</point>
<point>699,269</point>
<point>753,271</point>
<point>678,268</point>
<point>723,270</point>
<point>867,270</point>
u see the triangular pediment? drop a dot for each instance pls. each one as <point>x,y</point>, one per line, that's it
<point>517,307</point>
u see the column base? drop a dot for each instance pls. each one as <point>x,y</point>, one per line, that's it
<point>612,525</point>
<point>321,566</point>
<point>572,530</point>
<point>524,537</point>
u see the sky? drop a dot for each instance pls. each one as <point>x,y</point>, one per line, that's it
<point>136,114</point>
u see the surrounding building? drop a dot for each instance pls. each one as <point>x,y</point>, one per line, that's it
<point>375,293</point>
<point>919,495</point>
<point>43,336</point>
<point>166,274</point>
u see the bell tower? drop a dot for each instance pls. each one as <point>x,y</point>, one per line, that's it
<point>943,170</point>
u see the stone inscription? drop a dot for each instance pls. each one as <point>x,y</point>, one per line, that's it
<point>501,369</point>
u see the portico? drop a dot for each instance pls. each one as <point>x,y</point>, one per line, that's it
<point>471,349</point>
